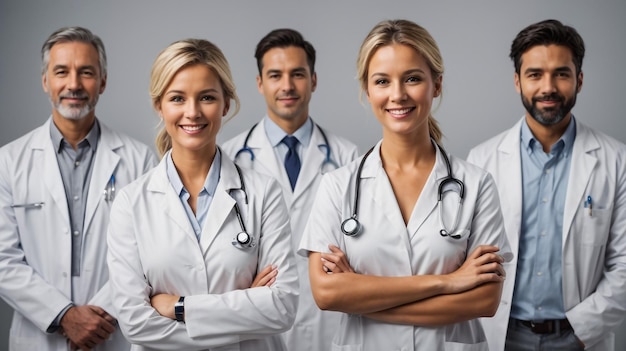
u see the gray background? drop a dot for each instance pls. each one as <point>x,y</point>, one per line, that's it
<point>474,37</point>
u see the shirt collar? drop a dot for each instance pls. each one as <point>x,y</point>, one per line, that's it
<point>59,142</point>
<point>565,142</point>
<point>275,134</point>
<point>210,183</point>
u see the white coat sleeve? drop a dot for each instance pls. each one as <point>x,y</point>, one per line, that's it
<point>256,312</point>
<point>22,287</point>
<point>211,320</point>
<point>487,226</point>
<point>604,309</point>
<point>103,297</point>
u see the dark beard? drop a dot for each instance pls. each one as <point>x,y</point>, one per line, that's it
<point>552,116</point>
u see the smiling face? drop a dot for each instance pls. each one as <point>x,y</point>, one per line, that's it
<point>73,80</point>
<point>287,84</point>
<point>548,84</point>
<point>400,89</point>
<point>192,108</point>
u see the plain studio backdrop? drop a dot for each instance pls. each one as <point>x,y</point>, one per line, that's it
<point>479,98</point>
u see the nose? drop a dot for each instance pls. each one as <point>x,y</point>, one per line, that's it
<point>73,81</point>
<point>398,92</point>
<point>286,83</point>
<point>548,85</point>
<point>192,109</point>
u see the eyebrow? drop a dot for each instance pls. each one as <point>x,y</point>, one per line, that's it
<point>205,91</point>
<point>407,72</point>
<point>297,69</point>
<point>81,68</point>
<point>558,69</point>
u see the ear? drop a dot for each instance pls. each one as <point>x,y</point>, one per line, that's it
<point>438,86</point>
<point>313,82</point>
<point>157,107</point>
<point>226,108</point>
<point>518,87</point>
<point>44,82</point>
<point>579,82</point>
<point>103,84</point>
<point>259,84</point>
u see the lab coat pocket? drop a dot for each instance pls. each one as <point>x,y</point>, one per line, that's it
<point>595,226</point>
<point>468,336</point>
<point>349,336</point>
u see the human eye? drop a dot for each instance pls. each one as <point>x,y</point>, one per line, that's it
<point>87,73</point>
<point>414,79</point>
<point>60,72</point>
<point>381,81</point>
<point>208,98</point>
<point>176,98</point>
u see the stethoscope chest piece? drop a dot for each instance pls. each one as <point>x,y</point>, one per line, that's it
<point>351,227</point>
<point>243,239</point>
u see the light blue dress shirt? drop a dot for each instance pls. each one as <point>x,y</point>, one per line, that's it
<point>275,135</point>
<point>205,197</point>
<point>538,293</point>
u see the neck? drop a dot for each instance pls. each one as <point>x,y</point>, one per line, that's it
<point>399,151</point>
<point>290,125</point>
<point>73,131</point>
<point>193,165</point>
<point>547,135</point>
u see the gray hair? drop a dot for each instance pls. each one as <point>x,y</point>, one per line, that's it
<point>73,34</point>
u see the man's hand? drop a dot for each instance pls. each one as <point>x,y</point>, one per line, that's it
<point>87,326</point>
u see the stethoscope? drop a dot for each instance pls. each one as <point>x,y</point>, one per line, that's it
<point>352,226</point>
<point>328,161</point>
<point>242,240</point>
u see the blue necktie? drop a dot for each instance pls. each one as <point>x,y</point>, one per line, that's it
<point>292,161</point>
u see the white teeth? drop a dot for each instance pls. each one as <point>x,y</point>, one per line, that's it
<point>399,112</point>
<point>192,128</point>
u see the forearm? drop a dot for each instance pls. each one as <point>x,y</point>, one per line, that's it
<point>359,293</point>
<point>481,301</point>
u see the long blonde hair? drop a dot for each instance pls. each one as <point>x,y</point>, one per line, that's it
<point>181,54</point>
<point>406,33</point>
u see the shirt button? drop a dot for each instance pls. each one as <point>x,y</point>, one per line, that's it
<point>76,198</point>
<point>544,200</point>
<point>77,163</point>
<point>540,308</point>
<point>543,233</point>
<point>539,273</point>
<point>548,171</point>
<point>76,232</point>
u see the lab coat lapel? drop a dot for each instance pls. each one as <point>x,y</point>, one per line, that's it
<point>104,165</point>
<point>582,165</point>
<point>427,201</point>
<point>266,162</point>
<point>311,162</point>
<point>44,155</point>
<point>509,180</point>
<point>384,197</point>
<point>221,205</point>
<point>169,203</point>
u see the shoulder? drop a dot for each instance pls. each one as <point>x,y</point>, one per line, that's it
<point>124,142</point>
<point>18,150</point>
<point>338,141</point>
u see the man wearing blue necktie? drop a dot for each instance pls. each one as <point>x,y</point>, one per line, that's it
<point>287,145</point>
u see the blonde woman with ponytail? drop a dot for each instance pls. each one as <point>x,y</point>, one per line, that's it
<point>379,248</point>
<point>199,252</point>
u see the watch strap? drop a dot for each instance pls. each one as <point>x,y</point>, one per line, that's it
<point>179,309</point>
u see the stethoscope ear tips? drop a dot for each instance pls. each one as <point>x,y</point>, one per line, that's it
<point>351,227</point>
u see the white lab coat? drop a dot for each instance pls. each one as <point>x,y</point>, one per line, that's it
<point>388,247</point>
<point>153,249</point>
<point>594,247</point>
<point>36,244</point>
<point>313,327</point>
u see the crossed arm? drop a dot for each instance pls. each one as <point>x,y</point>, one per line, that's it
<point>471,291</point>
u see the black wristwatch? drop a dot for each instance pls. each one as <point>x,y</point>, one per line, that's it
<point>179,309</point>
